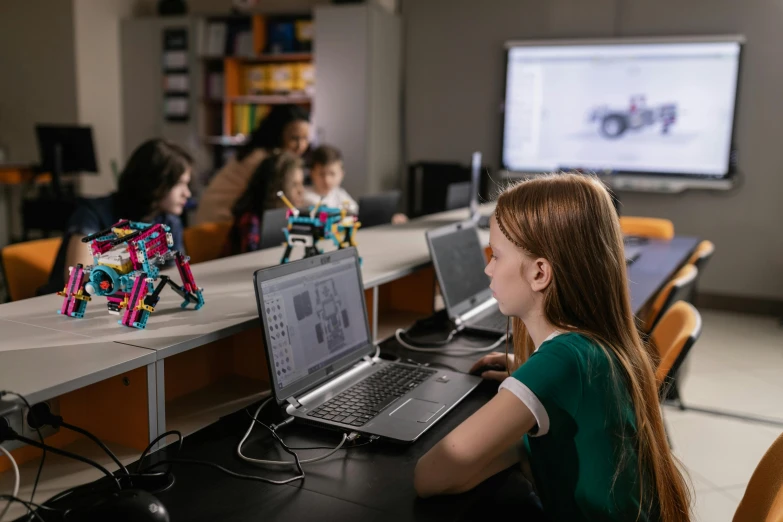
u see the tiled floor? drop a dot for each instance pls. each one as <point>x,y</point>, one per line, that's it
<point>737,365</point>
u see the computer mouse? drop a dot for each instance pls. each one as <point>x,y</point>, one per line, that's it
<point>131,505</point>
<point>488,368</point>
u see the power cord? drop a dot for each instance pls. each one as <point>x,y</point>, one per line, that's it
<point>40,438</point>
<point>441,342</point>
<point>273,430</point>
<point>455,351</point>
<point>10,434</point>
<point>16,481</point>
<point>234,474</point>
<point>29,505</point>
<point>41,415</point>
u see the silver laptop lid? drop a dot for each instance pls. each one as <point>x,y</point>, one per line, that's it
<point>459,264</point>
<point>314,319</point>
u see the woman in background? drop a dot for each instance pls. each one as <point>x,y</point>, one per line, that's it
<point>286,128</point>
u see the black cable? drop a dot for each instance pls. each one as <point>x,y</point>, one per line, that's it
<point>234,474</point>
<point>68,454</point>
<point>40,437</point>
<point>332,447</point>
<point>229,472</point>
<point>26,504</point>
<point>97,441</point>
<point>158,438</point>
<point>437,342</point>
<point>282,443</point>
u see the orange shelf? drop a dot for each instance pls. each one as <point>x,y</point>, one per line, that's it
<point>265,58</point>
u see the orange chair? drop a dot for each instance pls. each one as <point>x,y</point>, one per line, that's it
<point>205,242</point>
<point>27,266</point>
<point>672,338</point>
<point>763,499</point>
<point>680,287</point>
<point>699,259</point>
<point>653,228</point>
<point>702,254</point>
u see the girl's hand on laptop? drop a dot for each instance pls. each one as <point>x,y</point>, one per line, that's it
<point>496,359</point>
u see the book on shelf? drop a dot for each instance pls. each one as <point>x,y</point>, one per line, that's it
<point>215,84</point>
<point>247,117</point>
<point>216,39</point>
<point>243,44</point>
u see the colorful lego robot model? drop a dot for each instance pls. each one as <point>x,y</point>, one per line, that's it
<point>127,259</point>
<point>321,223</point>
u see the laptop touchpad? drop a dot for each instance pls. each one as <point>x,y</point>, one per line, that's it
<point>417,410</point>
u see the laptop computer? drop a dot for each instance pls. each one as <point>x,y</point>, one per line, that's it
<point>459,265</point>
<point>378,209</point>
<point>320,354</point>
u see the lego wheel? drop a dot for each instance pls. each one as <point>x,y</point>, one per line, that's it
<point>614,125</point>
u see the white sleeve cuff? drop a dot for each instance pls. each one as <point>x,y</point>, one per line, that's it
<point>530,400</point>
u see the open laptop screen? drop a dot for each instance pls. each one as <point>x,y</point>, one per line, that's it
<point>460,263</point>
<point>314,317</point>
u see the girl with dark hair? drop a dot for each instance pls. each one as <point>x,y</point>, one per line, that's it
<point>286,128</point>
<point>153,188</point>
<point>281,172</point>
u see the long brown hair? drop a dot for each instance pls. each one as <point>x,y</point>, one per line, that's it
<point>570,221</point>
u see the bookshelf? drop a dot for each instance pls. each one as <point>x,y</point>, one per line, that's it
<point>250,64</point>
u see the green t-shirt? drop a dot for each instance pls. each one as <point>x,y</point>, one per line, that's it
<point>591,433</point>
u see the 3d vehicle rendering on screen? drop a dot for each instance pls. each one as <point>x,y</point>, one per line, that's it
<point>321,222</point>
<point>613,123</point>
<point>126,270</point>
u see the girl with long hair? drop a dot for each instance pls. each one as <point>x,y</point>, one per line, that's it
<point>578,405</point>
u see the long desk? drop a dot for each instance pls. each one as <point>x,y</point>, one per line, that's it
<point>189,368</point>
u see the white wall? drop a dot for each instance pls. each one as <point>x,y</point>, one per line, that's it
<point>454,85</point>
<point>38,73</point>
<point>96,34</point>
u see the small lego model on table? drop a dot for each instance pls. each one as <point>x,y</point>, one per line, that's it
<point>127,258</point>
<point>322,222</point>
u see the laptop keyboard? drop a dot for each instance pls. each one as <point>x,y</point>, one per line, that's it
<point>493,321</point>
<point>367,398</point>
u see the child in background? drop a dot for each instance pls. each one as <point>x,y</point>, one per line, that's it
<point>285,128</point>
<point>327,175</point>
<point>279,172</point>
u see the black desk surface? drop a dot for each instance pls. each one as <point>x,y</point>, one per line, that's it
<point>658,262</point>
<point>373,482</point>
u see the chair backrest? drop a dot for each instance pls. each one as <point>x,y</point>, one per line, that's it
<point>458,195</point>
<point>27,266</point>
<point>763,499</point>
<point>205,242</point>
<point>679,288</point>
<point>673,337</point>
<point>272,225</point>
<point>702,254</point>
<point>378,209</point>
<point>654,228</point>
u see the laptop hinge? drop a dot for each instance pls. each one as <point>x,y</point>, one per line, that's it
<point>480,309</point>
<point>293,402</point>
<point>367,359</point>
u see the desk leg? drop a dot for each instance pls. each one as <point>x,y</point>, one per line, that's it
<point>152,402</point>
<point>375,292</point>
<point>161,391</point>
